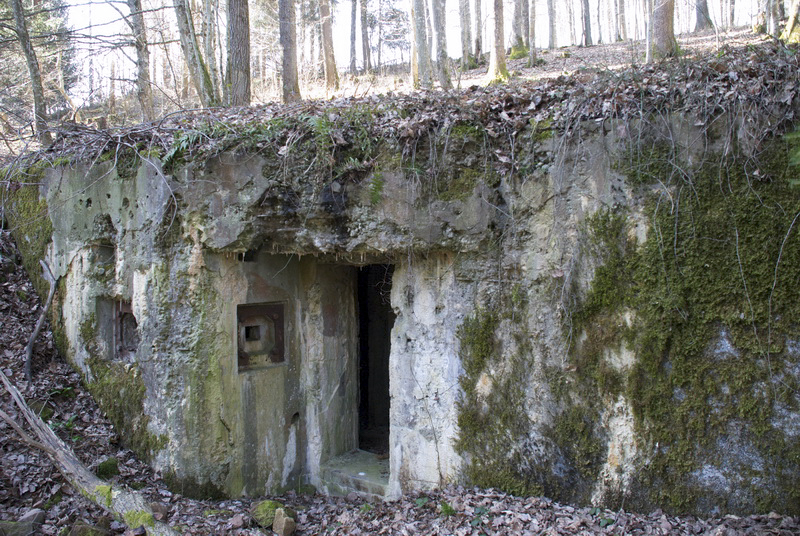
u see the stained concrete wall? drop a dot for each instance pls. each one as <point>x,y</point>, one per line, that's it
<point>511,248</point>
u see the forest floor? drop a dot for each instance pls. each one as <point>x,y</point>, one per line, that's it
<point>562,61</point>
<point>28,480</point>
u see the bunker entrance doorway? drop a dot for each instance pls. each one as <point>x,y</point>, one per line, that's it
<point>375,321</point>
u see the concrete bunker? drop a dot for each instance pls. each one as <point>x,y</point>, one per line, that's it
<point>490,262</point>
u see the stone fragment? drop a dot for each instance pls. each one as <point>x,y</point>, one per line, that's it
<point>160,511</point>
<point>284,524</point>
<point>263,512</point>
<point>237,521</point>
<point>34,516</point>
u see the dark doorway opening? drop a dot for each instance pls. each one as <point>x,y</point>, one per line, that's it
<point>375,318</point>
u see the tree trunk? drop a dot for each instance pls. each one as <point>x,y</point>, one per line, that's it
<point>191,53</point>
<point>331,76</point>
<point>365,52</point>
<point>525,22</point>
<point>587,23</point>
<point>429,32</point>
<point>442,72</point>
<point>773,18</point>
<point>237,74</point>
<point>791,33</point>
<point>622,30</point>
<point>732,13</point>
<point>125,505</point>
<point>701,13</point>
<point>478,31</point>
<point>571,18</point>
<point>39,106</point>
<point>466,34</point>
<point>422,75</point>
<point>664,43</point>
<point>517,27</point>
<point>144,91</point>
<point>497,60</point>
<point>532,34</point>
<point>551,17</point>
<point>288,38</point>
<point>210,30</point>
<point>353,9</point>
<point>380,22</point>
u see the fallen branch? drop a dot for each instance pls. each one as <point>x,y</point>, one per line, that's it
<point>48,275</point>
<point>127,506</point>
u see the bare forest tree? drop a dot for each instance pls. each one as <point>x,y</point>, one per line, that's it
<point>331,75</point>
<point>210,35</point>
<point>622,30</point>
<point>664,44</point>
<point>587,24</point>
<point>703,18</point>
<point>532,34</point>
<point>497,60</point>
<point>442,71</point>
<point>288,38</point>
<point>191,53</point>
<point>478,31</point>
<point>420,57</point>
<point>791,32</point>
<point>365,50</point>
<point>551,22</point>
<point>353,10</point>
<point>466,34</point>
<point>144,91</point>
<point>519,25</point>
<point>39,105</point>
<point>237,74</point>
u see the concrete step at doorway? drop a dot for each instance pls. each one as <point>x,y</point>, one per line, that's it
<point>360,471</point>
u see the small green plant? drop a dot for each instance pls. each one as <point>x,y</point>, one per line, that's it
<point>366,508</point>
<point>446,509</point>
<point>603,521</point>
<point>421,501</point>
<point>480,518</point>
<point>376,188</point>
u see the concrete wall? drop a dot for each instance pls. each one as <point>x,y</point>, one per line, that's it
<point>552,393</point>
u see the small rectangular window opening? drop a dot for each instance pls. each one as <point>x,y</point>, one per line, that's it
<point>252,333</point>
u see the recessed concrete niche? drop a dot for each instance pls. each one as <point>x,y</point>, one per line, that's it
<point>260,329</point>
<point>117,329</point>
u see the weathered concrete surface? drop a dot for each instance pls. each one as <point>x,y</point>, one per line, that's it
<point>502,370</point>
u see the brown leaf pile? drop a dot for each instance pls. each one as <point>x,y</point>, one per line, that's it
<point>758,84</point>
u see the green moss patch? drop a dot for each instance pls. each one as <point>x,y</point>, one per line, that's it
<point>263,512</point>
<point>107,468</point>
<point>119,390</point>
<point>713,298</point>
<point>138,518</point>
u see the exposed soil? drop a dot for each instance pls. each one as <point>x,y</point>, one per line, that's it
<point>28,479</point>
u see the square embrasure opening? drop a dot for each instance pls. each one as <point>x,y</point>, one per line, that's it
<point>260,335</point>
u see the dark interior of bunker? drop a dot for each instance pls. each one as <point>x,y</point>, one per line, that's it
<point>375,318</point>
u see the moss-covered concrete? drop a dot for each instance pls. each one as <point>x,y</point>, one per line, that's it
<point>613,299</point>
<point>120,391</point>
